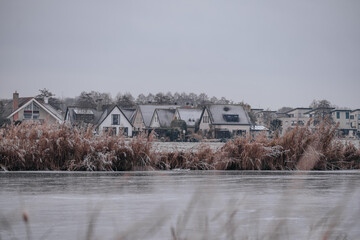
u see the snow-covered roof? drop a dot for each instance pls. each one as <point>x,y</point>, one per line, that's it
<point>189,115</point>
<point>165,117</point>
<point>147,111</point>
<point>8,108</point>
<point>129,113</point>
<point>53,111</point>
<point>83,111</point>
<point>228,114</point>
<point>83,115</point>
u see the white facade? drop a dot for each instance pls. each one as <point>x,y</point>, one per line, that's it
<point>155,123</point>
<point>355,119</point>
<point>342,117</point>
<point>295,117</point>
<point>205,121</point>
<point>117,122</point>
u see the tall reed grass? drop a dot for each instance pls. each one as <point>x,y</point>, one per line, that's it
<point>32,146</point>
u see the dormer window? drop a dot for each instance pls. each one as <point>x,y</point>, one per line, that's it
<point>231,117</point>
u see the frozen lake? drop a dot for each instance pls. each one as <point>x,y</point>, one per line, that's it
<point>188,204</point>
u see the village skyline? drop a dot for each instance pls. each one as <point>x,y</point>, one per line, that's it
<point>180,98</point>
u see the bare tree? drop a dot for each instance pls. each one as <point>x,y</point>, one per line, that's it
<point>85,100</point>
<point>322,111</point>
<point>141,99</point>
<point>125,100</point>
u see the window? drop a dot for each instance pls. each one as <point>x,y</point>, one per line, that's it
<point>347,114</point>
<point>125,131</point>
<point>110,130</point>
<point>206,119</point>
<point>358,116</point>
<point>115,119</point>
<point>32,111</point>
<point>231,117</point>
<point>338,115</point>
<point>352,117</point>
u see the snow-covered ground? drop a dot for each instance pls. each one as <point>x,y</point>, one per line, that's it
<point>184,146</point>
<point>193,146</point>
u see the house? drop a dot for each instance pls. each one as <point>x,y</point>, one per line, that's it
<point>31,108</point>
<point>293,117</point>
<point>342,117</point>
<point>143,115</point>
<point>162,118</point>
<point>355,120</point>
<point>224,120</point>
<point>81,116</point>
<point>319,114</point>
<point>264,117</point>
<point>190,115</point>
<point>115,120</point>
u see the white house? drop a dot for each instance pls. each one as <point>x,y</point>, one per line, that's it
<point>343,118</point>
<point>296,116</point>
<point>355,120</point>
<point>116,121</point>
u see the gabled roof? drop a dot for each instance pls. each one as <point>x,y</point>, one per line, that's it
<point>47,107</point>
<point>218,111</point>
<point>107,112</point>
<point>53,111</point>
<point>129,113</point>
<point>8,108</point>
<point>147,111</point>
<point>189,115</point>
<point>165,117</point>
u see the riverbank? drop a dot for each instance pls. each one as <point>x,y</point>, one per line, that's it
<point>58,147</point>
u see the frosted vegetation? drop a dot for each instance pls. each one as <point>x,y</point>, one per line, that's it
<point>31,146</point>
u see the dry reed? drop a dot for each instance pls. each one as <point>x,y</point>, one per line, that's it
<point>33,146</point>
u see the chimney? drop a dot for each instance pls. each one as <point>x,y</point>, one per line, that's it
<point>46,99</point>
<point>98,104</point>
<point>15,105</point>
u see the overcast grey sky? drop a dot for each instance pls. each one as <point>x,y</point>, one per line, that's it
<point>267,53</point>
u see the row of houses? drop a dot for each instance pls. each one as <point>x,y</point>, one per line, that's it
<point>216,120</point>
<point>348,120</point>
